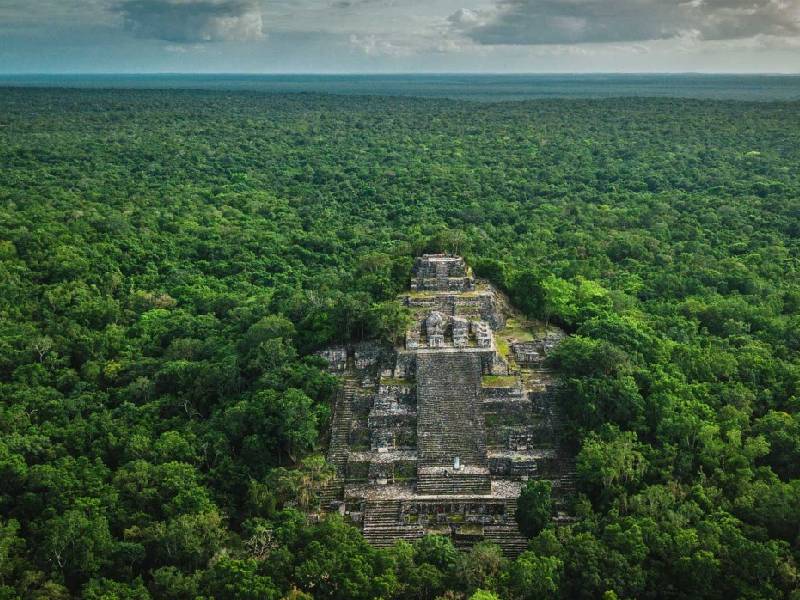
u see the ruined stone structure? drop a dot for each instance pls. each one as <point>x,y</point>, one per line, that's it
<point>438,436</point>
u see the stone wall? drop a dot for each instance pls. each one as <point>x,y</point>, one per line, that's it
<point>336,357</point>
<point>481,305</point>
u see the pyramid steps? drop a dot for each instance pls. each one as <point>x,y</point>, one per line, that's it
<point>454,483</point>
<point>508,537</point>
<point>449,420</point>
<point>383,525</point>
<point>340,426</point>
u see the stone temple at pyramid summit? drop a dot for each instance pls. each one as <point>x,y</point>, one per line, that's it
<point>439,435</point>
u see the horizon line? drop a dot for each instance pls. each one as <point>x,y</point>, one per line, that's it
<point>383,73</point>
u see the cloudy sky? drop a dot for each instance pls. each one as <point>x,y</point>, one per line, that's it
<point>344,36</point>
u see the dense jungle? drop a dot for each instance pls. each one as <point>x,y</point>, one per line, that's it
<point>170,262</point>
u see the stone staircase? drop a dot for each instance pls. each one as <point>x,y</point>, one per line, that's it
<point>434,484</point>
<point>565,485</point>
<point>329,493</point>
<point>383,526</point>
<point>340,426</point>
<point>508,537</point>
<point>450,424</point>
<point>449,419</point>
<point>555,415</point>
<point>442,273</point>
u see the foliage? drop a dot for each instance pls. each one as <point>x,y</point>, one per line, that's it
<point>534,507</point>
<point>170,260</point>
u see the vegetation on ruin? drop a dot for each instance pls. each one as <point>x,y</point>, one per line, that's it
<point>499,381</point>
<point>170,260</point>
<point>534,507</point>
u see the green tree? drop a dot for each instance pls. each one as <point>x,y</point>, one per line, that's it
<point>533,577</point>
<point>534,507</point>
<point>483,565</point>
<point>78,542</point>
<point>484,595</point>
<point>611,463</point>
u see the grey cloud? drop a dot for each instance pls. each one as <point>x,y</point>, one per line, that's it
<point>193,21</point>
<point>531,22</point>
<point>347,4</point>
<point>465,18</point>
<point>734,19</point>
